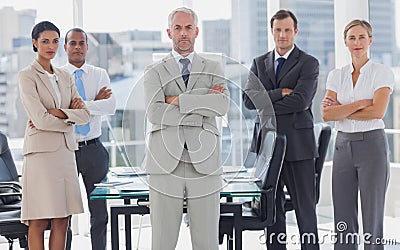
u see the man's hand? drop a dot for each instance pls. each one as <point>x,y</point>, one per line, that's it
<point>286,91</point>
<point>216,89</point>
<point>172,99</point>
<point>77,103</point>
<point>104,93</point>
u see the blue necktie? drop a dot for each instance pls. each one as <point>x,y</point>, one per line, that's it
<point>84,129</point>
<point>281,61</point>
<point>185,70</point>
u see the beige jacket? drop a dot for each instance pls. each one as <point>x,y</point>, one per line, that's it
<point>38,95</point>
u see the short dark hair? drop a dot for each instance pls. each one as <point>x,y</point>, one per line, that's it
<point>282,14</point>
<point>40,27</point>
<point>74,30</point>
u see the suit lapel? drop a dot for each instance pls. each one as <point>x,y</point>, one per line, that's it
<point>173,69</point>
<point>269,65</point>
<point>289,63</point>
<point>197,67</point>
<point>45,79</point>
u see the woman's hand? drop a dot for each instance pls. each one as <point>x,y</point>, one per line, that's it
<point>329,101</point>
<point>31,125</point>
<point>57,113</point>
<point>77,103</point>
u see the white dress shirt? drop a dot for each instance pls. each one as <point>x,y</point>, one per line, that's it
<point>94,78</point>
<point>373,76</point>
<point>286,55</point>
<point>178,57</point>
<point>54,81</point>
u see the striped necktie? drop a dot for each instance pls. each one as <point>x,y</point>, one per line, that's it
<point>185,70</point>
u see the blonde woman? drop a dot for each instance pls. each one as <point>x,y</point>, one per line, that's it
<point>356,99</point>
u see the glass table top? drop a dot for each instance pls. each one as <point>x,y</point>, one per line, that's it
<point>116,186</point>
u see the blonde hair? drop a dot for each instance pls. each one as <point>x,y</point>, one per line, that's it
<point>358,22</point>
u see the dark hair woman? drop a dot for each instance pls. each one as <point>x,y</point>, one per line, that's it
<point>50,182</point>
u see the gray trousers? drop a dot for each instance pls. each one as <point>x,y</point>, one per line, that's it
<point>360,164</point>
<point>93,164</point>
<point>167,193</point>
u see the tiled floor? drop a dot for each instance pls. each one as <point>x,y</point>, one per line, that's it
<point>250,239</point>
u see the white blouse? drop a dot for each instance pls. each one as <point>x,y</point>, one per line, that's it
<point>54,81</point>
<point>372,77</point>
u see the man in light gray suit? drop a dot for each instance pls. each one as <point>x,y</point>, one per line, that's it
<point>184,93</point>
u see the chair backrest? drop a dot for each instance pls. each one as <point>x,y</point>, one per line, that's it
<point>270,185</point>
<point>250,159</point>
<point>266,205</point>
<point>8,171</point>
<point>264,157</point>
<point>323,142</point>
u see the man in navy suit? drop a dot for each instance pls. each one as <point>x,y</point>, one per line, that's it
<point>289,76</point>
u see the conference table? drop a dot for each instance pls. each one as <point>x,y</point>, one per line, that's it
<point>130,185</point>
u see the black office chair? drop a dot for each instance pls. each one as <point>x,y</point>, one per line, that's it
<point>322,132</point>
<point>10,198</point>
<point>261,211</point>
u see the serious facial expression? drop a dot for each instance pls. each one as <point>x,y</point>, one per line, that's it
<point>284,33</point>
<point>47,44</point>
<point>76,47</point>
<point>183,33</point>
<point>358,41</point>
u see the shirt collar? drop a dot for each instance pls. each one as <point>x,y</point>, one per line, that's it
<point>286,55</point>
<point>178,56</point>
<point>364,68</point>
<point>71,68</point>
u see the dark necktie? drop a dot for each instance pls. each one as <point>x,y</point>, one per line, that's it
<point>84,129</point>
<point>281,61</point>
<point>185,70</point>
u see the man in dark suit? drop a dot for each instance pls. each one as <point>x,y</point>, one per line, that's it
<point>289,77</point>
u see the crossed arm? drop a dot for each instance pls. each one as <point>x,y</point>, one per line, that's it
<point>361,110</point>
<point>174,99</point>
<point>77,103</point>
<point>284,100</point>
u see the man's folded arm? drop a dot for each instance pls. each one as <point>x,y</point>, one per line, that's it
<point>302,95</point>
<point>209,105</point>
<point>160,112</point>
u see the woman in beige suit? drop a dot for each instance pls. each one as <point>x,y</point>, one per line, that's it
<point>50,180</point>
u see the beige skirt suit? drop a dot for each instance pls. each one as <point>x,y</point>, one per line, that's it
<point>50,187</point>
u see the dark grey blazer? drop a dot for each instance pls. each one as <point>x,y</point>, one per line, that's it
<point>293,112</point>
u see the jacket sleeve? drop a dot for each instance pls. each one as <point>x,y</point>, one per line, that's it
<point>255,94</point>
<point>157,110</point>
<point>209,105</point>
<point>303,93</point>
<point>35,109</point>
